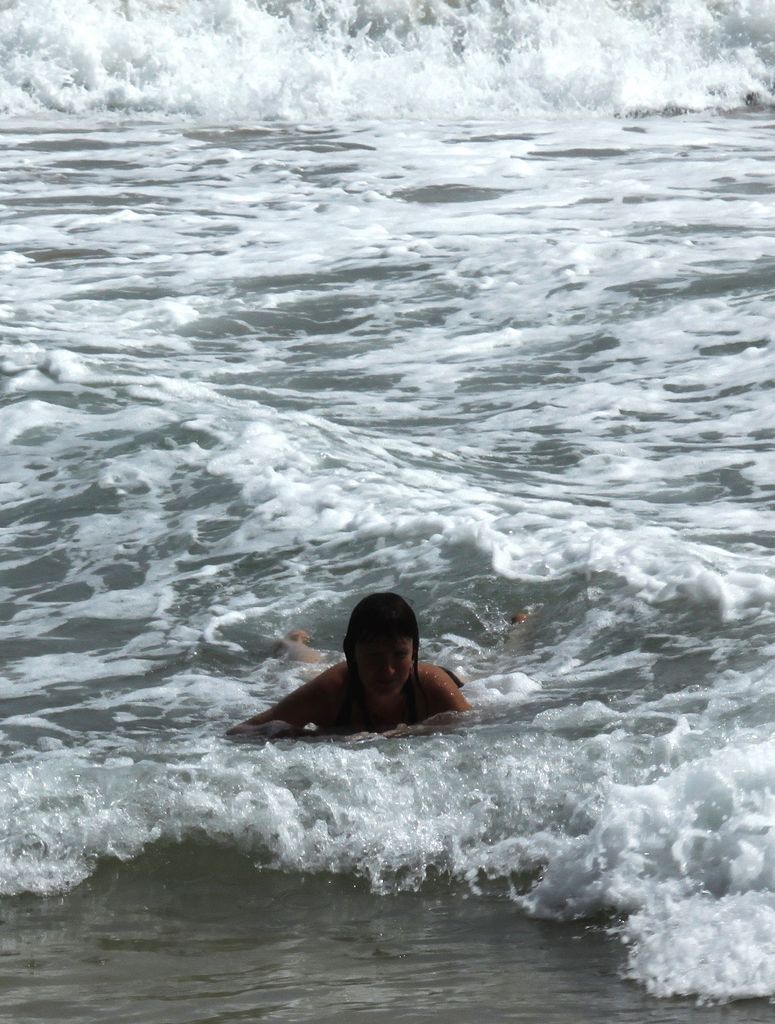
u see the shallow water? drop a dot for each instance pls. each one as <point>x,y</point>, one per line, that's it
<point>193,934</point>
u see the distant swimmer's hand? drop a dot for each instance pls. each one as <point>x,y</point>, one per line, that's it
<point>519,631</point>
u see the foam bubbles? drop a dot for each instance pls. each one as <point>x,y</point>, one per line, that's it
<point>675,947</point>
<point>689,858</point>
<point>237,58</point>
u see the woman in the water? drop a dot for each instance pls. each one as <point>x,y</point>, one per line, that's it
<point>379,686</point>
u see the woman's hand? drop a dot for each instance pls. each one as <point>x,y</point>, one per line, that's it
<point>274,730</point>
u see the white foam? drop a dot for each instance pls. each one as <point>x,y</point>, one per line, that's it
<point>691,859</point>
<point>18,422</point>
<point>501,689</point>
<point>675,946</point>
<point>233,58</point>
<point>45,670</point>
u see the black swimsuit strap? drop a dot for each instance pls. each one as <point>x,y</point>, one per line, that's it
<point>455,679</point>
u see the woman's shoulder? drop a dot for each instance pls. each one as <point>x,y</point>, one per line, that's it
<point>441,690</point>
<point>438,676</point>
<point>331,680</point>
<point>318,700</point>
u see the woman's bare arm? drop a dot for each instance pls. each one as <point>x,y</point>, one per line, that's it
<point>440,691</point>
<point>317,701</point>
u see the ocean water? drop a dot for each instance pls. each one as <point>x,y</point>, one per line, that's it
<point>472,301</point>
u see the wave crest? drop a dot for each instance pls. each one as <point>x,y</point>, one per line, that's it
<point>352,59</point>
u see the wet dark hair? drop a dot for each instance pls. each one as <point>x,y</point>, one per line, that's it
<point>377,617</point>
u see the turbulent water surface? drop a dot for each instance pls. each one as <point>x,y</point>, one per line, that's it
<point>471,301</point>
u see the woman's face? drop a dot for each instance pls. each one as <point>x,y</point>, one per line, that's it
<point>384,664</point>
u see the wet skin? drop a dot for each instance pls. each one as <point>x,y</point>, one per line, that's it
<point>384,667</point>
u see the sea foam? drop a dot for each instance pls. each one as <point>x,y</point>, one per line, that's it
<point>686,854</point>
<point>342,59</point>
